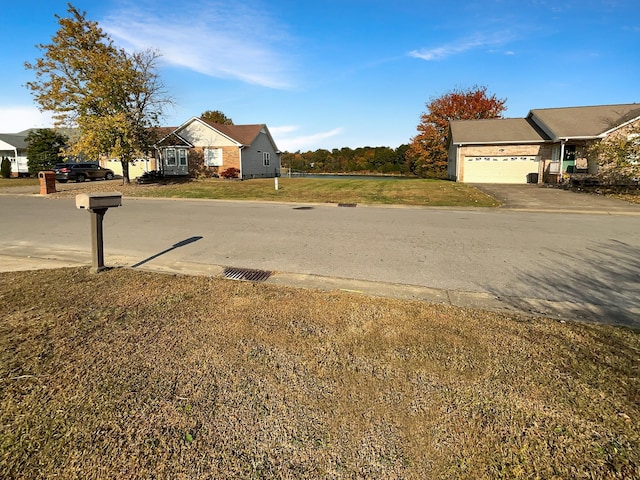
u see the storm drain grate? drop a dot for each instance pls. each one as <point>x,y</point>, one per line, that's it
<point>247,274</point>
<point>347,204</point>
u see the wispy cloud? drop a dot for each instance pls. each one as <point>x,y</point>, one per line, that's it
<point>235,40</point>
<point>299,142</point>
<point>462,45</point>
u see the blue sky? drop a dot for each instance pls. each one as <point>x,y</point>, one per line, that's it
<point>347,73</point>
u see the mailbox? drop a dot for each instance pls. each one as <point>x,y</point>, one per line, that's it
<point>98,204</point>
<point>92,201</point>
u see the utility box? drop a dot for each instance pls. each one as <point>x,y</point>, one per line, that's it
<point>47,182</point>
<point>93,201</point>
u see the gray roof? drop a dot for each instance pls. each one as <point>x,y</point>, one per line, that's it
<point>583,122</point>
<point>16,140</point>
<point>496,130</point>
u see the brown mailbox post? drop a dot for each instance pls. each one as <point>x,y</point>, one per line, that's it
<point>98,204</point>
<point>47,182</point>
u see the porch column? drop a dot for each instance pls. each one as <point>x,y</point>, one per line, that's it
<point>562,144</point>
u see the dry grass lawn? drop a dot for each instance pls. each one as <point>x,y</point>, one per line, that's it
<point>19,182</point>
<point>303,190</point>
<point>128,374</point>
<point>341,190</point>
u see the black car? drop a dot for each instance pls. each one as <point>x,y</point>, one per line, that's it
<point>81,171</point>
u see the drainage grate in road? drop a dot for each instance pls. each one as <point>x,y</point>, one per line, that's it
<point>347,204</point>
<point>246,274</point>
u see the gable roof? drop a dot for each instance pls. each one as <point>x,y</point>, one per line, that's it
<point>169,138</point>
<point>583,122</point>
<point>495,130</point>
<point>242,134</point>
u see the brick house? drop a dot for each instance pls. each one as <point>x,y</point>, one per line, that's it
<point>202,148</point>
<point>539,148</point>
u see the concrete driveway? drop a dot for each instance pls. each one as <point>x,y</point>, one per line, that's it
<point>552,199</point>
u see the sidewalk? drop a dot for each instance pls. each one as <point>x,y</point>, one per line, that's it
<point>563,311</point>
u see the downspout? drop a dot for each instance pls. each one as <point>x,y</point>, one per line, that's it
<point>240,161</point>
<point>458,162</point>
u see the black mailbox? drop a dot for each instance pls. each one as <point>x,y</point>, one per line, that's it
<point>98,204</point>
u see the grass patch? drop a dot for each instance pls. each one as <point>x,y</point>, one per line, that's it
<point>307,190</point>
<point>18,182</point>
<point>162,376</point>
<point>628,197</point>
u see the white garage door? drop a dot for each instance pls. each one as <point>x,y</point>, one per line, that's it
<point>500,169</point>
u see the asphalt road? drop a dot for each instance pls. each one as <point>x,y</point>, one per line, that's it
<point>583,261</point>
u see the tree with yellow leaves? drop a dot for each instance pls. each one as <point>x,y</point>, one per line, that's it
<point>115,99</point>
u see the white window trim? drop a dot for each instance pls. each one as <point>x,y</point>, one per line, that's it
<point>173,157</point>
<point>182,157</point>
<point>266,159</point>
<point>213,157</point>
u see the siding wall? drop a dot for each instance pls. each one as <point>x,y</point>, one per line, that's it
<point>200,135</point>
<point>252,159</point>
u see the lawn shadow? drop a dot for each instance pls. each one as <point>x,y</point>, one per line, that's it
<point>182,243</point>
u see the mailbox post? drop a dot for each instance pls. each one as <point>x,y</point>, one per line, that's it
<point>98,204</point>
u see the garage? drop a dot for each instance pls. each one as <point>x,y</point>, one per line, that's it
<point>500,169</point>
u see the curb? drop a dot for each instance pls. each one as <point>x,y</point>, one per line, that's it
<point>559,310</point>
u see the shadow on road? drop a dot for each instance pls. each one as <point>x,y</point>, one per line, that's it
<point>602,285</point>
<point>171,248</point>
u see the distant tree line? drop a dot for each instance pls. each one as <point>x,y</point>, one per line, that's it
<point>426,154</point>
<point>346,160</point>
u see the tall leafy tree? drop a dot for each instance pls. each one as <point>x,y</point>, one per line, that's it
<point>44,147</point>
<point>428,149</point>
<point>114,98</point>
<point>216,116</point>
<point>618,155</point>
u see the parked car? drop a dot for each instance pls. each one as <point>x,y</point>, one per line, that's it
<point>81,171</point>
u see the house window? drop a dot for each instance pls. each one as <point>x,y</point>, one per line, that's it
<point>171,157</point>
<point>182,157</point>
<point>554,165</point>
<point>213,157</point>
<point>266,159</point>
<point>570,153</point>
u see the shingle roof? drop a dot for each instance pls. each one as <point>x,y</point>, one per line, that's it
<point>16,140</point>
<point>496,130</point>
<point>583,122</point>
<point>168,138</point>
<point>243,134</point>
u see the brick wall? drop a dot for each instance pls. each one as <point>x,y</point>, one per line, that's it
<point>197,168</point>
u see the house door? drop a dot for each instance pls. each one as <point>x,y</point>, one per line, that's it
<point>175,161</point>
